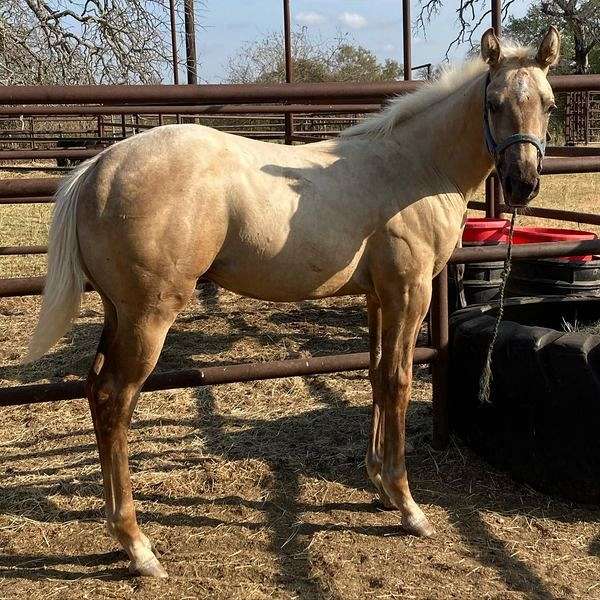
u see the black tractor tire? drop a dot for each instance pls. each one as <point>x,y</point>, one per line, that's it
<point>542,422</point>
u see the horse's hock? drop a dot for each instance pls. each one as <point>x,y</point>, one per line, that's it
<point>542,422</point>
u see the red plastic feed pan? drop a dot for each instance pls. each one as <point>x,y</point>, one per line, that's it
<point>486,231</point>
<point>540,235</point>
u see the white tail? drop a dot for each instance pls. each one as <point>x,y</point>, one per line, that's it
<point>65,280</point>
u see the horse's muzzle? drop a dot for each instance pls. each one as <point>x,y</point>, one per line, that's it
<point>520,191</point>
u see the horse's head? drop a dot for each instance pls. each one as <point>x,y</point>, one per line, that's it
<point>518,103</point>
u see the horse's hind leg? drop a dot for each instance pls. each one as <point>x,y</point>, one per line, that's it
<point>374,458</point>
<point>128,351</point>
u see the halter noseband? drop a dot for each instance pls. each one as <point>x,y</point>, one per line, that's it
<point>495,148</point>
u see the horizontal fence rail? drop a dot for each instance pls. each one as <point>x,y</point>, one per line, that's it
<point>525,251</point>
<point>237,373</point>
<point>27,286</point>
<point>204,94</point>
<point>546,213</point>
<point>18,250</point>
<point>238,93</point>
<point>45,186</point>
<point>27,199</point>
<point>218,109</point>
<point>571,158</point>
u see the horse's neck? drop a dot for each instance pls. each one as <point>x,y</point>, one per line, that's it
<point>450,139</point>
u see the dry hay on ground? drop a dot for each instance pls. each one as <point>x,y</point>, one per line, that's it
<point>258,490</point>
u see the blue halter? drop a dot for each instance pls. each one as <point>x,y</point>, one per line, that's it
<point>495,148</point>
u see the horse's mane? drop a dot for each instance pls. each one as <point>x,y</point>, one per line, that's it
<point>450,80</point>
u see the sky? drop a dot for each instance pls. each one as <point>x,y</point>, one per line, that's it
<point>224,26</point>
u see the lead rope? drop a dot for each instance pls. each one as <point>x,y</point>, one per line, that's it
<point>486,376</point>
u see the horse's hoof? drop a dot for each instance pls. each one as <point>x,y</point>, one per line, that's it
<point>148,568</point>
<point>418,525</point>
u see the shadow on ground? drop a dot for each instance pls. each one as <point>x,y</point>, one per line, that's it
<point>326,443</point>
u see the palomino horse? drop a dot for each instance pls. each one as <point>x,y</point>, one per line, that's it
<point>376,211</point>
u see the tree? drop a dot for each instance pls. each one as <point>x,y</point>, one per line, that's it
<point>581,21</point>
<point>99,41</point>
<point>580,52</point>
<point>471,14</point>
<point>263,61</point>
<point>578,20</point>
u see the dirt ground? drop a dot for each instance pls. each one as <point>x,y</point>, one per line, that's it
<point>258,490</point>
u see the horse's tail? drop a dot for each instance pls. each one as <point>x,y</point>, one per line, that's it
<point>65,281</point>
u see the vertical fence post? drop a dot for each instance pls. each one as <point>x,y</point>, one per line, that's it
<point>439,371</point>
<point>174,41</point>
<point>493,189</point>
<point>406,40</point>
<point>190,41</point>
<point>490,197</point>
<point>289,69</point>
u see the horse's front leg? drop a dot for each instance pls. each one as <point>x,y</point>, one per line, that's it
<point>403,310</point>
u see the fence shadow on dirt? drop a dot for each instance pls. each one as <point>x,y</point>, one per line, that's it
<point>324,443</point>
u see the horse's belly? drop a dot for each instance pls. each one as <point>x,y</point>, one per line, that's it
<point>281,280</point>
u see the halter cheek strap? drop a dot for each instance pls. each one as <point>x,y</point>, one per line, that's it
<point>495,148</point>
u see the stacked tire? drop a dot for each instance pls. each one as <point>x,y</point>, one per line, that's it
<point>476,283</point>
<point>542,423</point>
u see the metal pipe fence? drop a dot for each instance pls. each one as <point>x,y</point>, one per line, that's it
<point>308,98</point>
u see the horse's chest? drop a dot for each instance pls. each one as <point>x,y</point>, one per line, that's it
<point>450,222</point>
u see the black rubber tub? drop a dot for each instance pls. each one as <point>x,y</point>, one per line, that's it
<point>542,423</point>
<point>474,283</point>
<point>554,277</point>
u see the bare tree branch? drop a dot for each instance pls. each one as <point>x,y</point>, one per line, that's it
<point>91,41</point>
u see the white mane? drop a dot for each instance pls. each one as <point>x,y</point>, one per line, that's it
<point>402,108</point>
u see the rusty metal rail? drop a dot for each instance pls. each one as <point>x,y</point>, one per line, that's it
<point>546,213</point>
<point>308,93</point>
<point>236,373</point>
<point>238,93</point>
<point>20,250</point>
<point>525,251</point>
<point>211,110</point>
<point>559,159</point>
<point>31,286</point>
<point>27,199</point>
<point>45,186</point>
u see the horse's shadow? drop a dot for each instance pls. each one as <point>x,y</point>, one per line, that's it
<point>324,443</point>
<point>185,341</point>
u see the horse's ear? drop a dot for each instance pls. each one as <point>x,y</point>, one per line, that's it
<point>490,48</point>
<point>549,49</point>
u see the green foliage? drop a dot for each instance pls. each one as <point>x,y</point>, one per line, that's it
<point>530,30</point>
<point>313,60</point>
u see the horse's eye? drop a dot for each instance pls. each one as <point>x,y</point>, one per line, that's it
<point>551,108</point>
